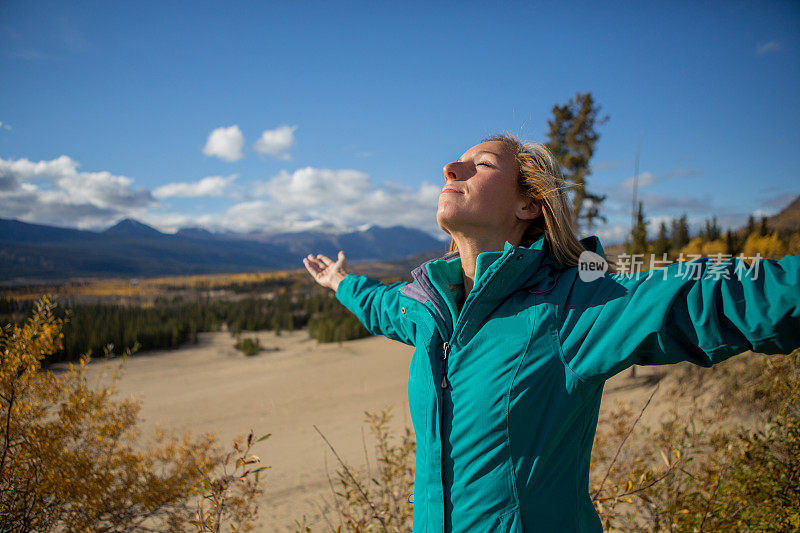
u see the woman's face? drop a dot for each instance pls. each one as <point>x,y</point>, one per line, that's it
<point>480,193</point>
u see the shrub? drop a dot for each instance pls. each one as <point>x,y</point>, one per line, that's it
<point>378,497</point>
<point>705,248</point>
<point>716,474</point>
<point>767,246</point>
<point>249,346</point>
<point>68,460</point>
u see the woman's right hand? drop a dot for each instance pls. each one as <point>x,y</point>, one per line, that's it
<point>325,271</point>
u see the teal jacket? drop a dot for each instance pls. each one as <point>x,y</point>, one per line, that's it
<point>504,396</point>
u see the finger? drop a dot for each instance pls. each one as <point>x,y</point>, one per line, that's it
<point>341,259</point>
<point>312,266</point>
<point>325,259</point>
<point>315,261</point>
<point>308,266</point>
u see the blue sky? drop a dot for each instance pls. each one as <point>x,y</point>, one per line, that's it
<point>270,116</point>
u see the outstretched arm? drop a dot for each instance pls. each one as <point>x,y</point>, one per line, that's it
<point>375,304</point>
<point>665,318</point>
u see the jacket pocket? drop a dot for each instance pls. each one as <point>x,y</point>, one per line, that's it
<point>510,522</point>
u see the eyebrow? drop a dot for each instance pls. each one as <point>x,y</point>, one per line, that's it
<point>483,152</point>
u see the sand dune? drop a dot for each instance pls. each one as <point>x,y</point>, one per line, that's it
<point>211,387</point>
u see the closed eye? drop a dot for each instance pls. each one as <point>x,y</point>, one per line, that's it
<point>484,163</point>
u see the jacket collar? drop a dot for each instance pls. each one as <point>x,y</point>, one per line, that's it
<point>533,268</point>
<point>592,243</point>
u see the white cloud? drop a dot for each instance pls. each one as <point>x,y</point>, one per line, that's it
<point>225,143</point>
<point>648,178</point>
<point>689,204</point>
<point>312,198</point>
<point>766,48</point>
<point>315,186</point>
<point>276,142</point>
<point>610,234</point>
<point>645,179</point>
<point>55,192</point>
<point>654,223</point>
<point>208,186</point>
<point>5,126</point>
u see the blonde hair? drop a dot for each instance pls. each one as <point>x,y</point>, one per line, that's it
<point>539,177</point>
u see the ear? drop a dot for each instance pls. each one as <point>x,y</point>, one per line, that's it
<point>528,209</point>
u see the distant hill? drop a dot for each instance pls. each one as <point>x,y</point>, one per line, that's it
<point>197,233</point>
<point>132,228</point>
<point>130,248</point>
<point>788,220</point>
<point>16,231</point>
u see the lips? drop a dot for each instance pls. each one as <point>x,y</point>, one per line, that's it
<point>449,188</point>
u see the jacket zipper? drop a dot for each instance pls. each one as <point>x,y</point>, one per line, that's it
<point>446,346</point>
<point>445,352</point>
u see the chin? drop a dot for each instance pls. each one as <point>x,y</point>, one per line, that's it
<point>448,220</point>
<point>444,220</point>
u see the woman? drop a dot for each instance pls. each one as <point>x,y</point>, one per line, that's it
<point>513,347</point>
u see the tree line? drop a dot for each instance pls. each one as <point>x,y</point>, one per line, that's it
<point>104,327</point>
<point>674,239</point>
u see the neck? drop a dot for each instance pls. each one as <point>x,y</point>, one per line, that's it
<point>469,247</point>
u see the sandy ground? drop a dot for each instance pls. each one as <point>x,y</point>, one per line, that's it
<point>211,387</point>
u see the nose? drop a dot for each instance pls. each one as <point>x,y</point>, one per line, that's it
<point>453,171</point>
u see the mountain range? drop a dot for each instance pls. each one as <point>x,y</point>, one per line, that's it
<point>30,252</point>
<point>34,252</point>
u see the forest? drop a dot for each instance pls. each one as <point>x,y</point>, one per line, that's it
<point>101,328</point>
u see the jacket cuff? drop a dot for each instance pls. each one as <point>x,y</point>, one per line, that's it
<point>344,290</point>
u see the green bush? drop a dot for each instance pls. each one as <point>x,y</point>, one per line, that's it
<point>249,346</point>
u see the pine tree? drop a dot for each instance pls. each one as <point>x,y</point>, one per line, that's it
<point>572,138</point>
<point>638,242</point>
<point>731,243</point>
<point>751,225</point>
<point>763,230</point>
<point>663,243</point>
<point>680,232</point>
<point>711,231</point>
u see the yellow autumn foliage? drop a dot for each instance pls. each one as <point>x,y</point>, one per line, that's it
<point>702,247</point>
<point>793,244</point>
<point>68,459</point>
<point>767,246</point>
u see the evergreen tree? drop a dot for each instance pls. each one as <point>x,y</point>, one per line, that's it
<point>663,243</point>
<point>751,226</point>
<point>711,231</point>
<point>572,138</point>
<point>763,230</point>
<point>638,242</point>
<point>731,243</point>
<point>680,232</point>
